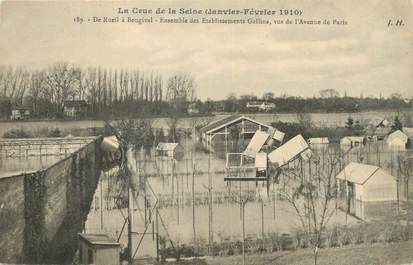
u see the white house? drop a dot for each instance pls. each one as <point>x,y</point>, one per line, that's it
<point>317,140</point>
<point>397,140</point>
<point>352,141</point>
<point>264,106</point>
<point>366,191</point>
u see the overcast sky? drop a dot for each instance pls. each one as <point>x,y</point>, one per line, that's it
<point>365,56</point>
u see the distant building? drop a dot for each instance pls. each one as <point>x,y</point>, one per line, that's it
<point>172,150</point>
<point>20,113</point>
<point>263,106</point>
<point>365,191</point>
<point>352,141</point>
<point>318,140</point>
<point>74,108</point>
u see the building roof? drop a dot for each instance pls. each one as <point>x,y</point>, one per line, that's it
<point>288,151</point>
<point>167,146</point>
<point>318,140</point>
<point>228,121</point>
<point>219,122</point>
<point>382,131</point>
<point>75,103</point>
<point>357,173</point>
<point>397,135</point>
<point>256,143</point>
<point>353,138</point>
<point>99,239</point>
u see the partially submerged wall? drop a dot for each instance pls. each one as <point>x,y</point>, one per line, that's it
<point>42,212</point>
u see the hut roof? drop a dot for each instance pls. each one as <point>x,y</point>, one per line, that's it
<point>99,239</point>
<point>354,138</point>
<point>357,173</point>
<point>397,135</point>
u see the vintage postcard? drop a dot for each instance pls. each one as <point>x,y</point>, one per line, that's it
<point>206,132</point>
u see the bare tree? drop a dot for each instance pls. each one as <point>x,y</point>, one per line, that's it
<point>329,93</point>
<point>61,82</point>
<point>310,193</point>
<point>180,90</point>
<point>405,164</point>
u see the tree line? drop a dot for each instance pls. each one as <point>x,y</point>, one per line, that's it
<point>133,93</point>
<point>107,91</point>
<point>326,101</point>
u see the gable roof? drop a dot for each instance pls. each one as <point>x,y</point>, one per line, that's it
<point>357,173</point>
<point>397,135</point>
<point>353,138</point>
<point>99,239</point>
<point>288,151</point>
<point>228,121</point>
<point>218,123</point>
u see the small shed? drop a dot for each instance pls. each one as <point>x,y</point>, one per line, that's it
<point>98,249</point>
<point>20,113</point>
<point>318,140</point>
<point>366,191</point>
<point>397,140</point>
<point>352,141</point>
<point>173,150</point>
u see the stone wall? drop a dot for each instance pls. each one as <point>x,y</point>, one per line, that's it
<point>11,218</point>
<point>48,208</point>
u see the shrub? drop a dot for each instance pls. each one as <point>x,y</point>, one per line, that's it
<point>19,133</point>
<point>54,133</point>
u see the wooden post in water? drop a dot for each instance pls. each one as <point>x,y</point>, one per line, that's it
<point>157,234</point>
<point>243,202</point>
<point>193,205</point>
<point>262,220</point>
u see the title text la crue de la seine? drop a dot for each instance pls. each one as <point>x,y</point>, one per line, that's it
<point>209,11</point>
<point>228,11</point>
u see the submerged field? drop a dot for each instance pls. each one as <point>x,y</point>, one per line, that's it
<point>331,120</point>
<point>177,185</point>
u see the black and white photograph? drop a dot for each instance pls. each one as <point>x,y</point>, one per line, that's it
<point>160,132</point>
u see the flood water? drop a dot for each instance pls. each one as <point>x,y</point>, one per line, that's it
<point>318,119</point>
<point>174,186</point>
